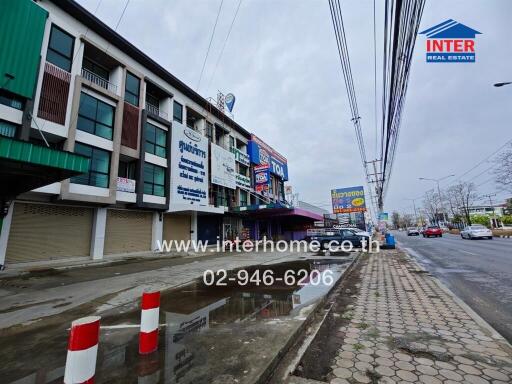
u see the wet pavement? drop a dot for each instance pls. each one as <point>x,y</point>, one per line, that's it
<point>477,271</point>
<point>208,334</point>
<point>403,326</point>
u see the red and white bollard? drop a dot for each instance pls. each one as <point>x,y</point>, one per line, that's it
<point>148,336</point>
<point>82,350</point>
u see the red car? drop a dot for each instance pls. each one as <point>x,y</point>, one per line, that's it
<point>433,231</point>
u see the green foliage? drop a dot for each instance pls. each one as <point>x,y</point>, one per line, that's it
<point>507,219</point>
<point>481,219</point>
<point>458,218</point>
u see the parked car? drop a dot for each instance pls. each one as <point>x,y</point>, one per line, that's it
<point>476,231</point>
<point>413,231</point>
<point>433,231</point>
<point>357,230</point>
<point>339,236</point>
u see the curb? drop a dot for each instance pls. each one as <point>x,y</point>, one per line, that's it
<point>474,316</point>
<point>269,371</point>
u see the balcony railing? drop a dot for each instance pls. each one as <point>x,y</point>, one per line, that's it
<point>156,111</point>
<point>98,80</point>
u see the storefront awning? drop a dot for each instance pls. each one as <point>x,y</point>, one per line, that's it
<point>25,166</point>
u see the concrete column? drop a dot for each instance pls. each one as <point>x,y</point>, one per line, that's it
<point>98,233</point>
<point>4,233</point>
<point>157,230</point>
<point>193,226</point>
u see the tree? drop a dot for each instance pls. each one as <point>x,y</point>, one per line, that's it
<point>406,220</point>
<point>462,196</point>
<point>395,219</point>
<point>481,219</point>
<point>432,206</point>
<point>503,170</point>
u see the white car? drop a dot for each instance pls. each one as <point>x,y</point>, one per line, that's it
<point>413,231</point>
<point>476,231</point>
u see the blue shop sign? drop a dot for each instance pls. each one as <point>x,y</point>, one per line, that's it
<point>259,155</point>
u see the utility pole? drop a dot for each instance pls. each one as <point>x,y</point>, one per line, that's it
<point>493,220</point>
<point>414,206</point>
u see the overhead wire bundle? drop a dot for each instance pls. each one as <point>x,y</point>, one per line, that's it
<point>401,23</point>
<point>341,41</point>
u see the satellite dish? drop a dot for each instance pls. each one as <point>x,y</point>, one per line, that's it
<point>230,101</point>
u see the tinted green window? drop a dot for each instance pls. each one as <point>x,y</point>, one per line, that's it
<point>177,112</point>
<point>99,168</point>
<point>156,140</point>
<point>131,93</point>
<point>11,100</point>
<point>95,116</point>
<point>60,49</point>
<point>154,180</point>
<point>7,129</point>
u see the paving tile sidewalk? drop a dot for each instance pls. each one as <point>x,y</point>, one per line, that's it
<point>405,328</point>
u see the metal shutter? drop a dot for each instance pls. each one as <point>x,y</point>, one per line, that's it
<point>176,227</point>
<point>45,232</point>
<point>127,231</point>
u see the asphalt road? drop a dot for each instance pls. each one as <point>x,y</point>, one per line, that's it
<point>477,271</point>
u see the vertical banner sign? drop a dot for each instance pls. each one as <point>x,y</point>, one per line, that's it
<point>223,167</point>
<point>189,171</point>
<point>346,200</point>
<point>262,179</point>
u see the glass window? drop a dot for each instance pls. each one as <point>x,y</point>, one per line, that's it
<point>231,141</point>
<point>177,112</point>
<point>209,130</point>
<point>152,100</point>
<point>132,87</point>
<point>11,100</point>
<point>243,198</point>
<point>99,166</point>
<point>7,129</point>
<point>156,140</point>
<point>154,180</point>
<point>126,169</point>
<point>95,116</point>
<point>60,48</point>
<point>97,69</point>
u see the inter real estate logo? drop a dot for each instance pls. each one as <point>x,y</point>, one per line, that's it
<point>450,42</point>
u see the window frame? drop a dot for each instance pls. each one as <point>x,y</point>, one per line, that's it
<point>70,58</point>
<point>96,121</point>
<point>152,182</point>
<point>127,91</point>
<point>154,142</point>
<point>175,103</point>
<point>91,171</point>
<point>209,130</point>
<point>94,66</point>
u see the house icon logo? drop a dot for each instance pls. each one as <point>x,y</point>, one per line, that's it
<point>450,42</point>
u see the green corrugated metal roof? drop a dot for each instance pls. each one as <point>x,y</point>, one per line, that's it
<point>22,24</point>
<point>27,152</point>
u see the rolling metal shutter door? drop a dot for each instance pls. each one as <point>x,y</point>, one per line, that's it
<point>127,231</point>
<point>45,232</point>
<point>176,227</point>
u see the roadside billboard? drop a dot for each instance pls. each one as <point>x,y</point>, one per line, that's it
<point>189,170</point>
<point>223,167</point>
<point>346,200</point>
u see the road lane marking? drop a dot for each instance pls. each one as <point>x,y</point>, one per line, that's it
<point>471,253</point>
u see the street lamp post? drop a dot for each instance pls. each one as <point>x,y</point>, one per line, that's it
<point>439,192</point>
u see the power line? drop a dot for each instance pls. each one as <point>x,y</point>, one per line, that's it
<point>375,79</point>
<point>209,45</point>
<point>224,45</point>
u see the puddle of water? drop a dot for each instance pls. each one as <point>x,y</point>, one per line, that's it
<point>209,334</point>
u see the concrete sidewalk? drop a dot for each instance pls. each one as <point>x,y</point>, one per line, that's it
<point>407,327</point>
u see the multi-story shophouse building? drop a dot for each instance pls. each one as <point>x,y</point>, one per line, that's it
<point>164,162</point>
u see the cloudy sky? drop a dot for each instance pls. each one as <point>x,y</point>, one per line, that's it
<point>281,63</point>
